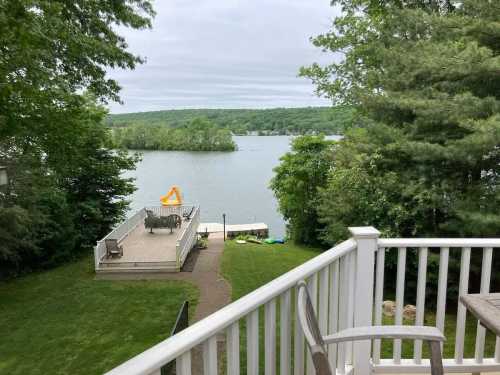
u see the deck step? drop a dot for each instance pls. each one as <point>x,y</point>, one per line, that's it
<point>137,270</point>
<point>138,264</point>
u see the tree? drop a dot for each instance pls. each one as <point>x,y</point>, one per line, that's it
<point>96,189</point>
<point>424,75</point>
<point>200,134</point>
<point>53,61</point>
<point>295,184</point>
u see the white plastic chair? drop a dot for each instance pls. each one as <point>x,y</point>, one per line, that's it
<point>317,343</point>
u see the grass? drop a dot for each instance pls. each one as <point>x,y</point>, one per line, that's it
<point>249,266</point>
<point>63,321</point>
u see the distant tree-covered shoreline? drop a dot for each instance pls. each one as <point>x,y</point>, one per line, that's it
<point>276,121</point>
<point>199,135</point>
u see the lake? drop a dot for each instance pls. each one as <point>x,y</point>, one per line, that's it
<point>234,183</point>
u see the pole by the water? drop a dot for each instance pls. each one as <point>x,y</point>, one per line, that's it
<point>224,225</point>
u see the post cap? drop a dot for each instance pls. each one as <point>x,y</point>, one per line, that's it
<point>364,232</point>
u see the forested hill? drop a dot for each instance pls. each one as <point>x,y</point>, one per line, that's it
<point>243,121</point>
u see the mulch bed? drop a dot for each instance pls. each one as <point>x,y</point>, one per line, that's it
<point>190,261</point>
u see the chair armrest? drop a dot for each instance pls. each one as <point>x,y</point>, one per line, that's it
<point>386,332</point>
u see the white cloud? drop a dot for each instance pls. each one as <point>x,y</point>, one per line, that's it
<point>225,54</point>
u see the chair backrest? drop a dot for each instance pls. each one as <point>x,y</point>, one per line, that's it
<point>173,221</point>
<point>312,334</point>
<point>187,215</point>
<point>112,245</point>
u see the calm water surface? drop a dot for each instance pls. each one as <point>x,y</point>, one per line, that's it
<point>234,183</point>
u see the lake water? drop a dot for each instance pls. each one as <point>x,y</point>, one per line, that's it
<point>234,183</point>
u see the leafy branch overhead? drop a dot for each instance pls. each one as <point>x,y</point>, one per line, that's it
<point>64,182</point>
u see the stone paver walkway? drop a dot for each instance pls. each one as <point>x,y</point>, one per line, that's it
<point>215,291</point>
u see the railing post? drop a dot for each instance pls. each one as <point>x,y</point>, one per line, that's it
<point>366,239</point>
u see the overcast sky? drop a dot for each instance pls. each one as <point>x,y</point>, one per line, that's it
<point>225,54</point>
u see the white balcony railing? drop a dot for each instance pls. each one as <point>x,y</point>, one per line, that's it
<point>346,284</point>
<point>187,238</point>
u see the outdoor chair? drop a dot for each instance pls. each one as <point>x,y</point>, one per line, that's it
<point>187,215</point>
<point>171,221</point>
<point>113,249</point>
<point>317,343</point>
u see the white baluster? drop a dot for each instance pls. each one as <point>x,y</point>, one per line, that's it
<point>334,311</point>
<point>298,343</point>
<point>253,343</point>
<point>210,356</point>
<point>379,296</point>
<point>485,288</point>
<point>323,301</point>
<point>343,310</point>
<point>270,338</point>
<point>183,364</point>
<point>312,285</point>
<point>442,282</point>
<point>497,350</point>
<point>461,311</point>
<point>419,317</point>
<point>285,334</point>
<point>233,349</point>
<point>350,302</point>
<point>400,289</point>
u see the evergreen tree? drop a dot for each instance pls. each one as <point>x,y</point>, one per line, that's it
<point>424,74</point>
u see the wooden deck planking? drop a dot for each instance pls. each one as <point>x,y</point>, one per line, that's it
<point>486,308</point>
<point>142,246</point>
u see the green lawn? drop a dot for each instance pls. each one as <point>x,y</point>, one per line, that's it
<point>249,266</point>
<point>63,321</point>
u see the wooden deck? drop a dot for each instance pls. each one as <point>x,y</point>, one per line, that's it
<point>143,250</point>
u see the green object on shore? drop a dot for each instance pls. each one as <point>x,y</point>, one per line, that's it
<point>269,241</point>
<point>252,240</point>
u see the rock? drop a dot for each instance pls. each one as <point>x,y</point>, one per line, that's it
<point>409,312</point>
<point>389,307</point>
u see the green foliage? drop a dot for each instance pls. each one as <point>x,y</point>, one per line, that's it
<point>423,77</point>
<point>428,86</point>
<point>53,49</point>
<point>199,135</point>
<point>65,200</point>
<point>14,222</point>
<point>201,243</point>
<point>65,188</point>
<point>277,121</point>
<point>302,171</point>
